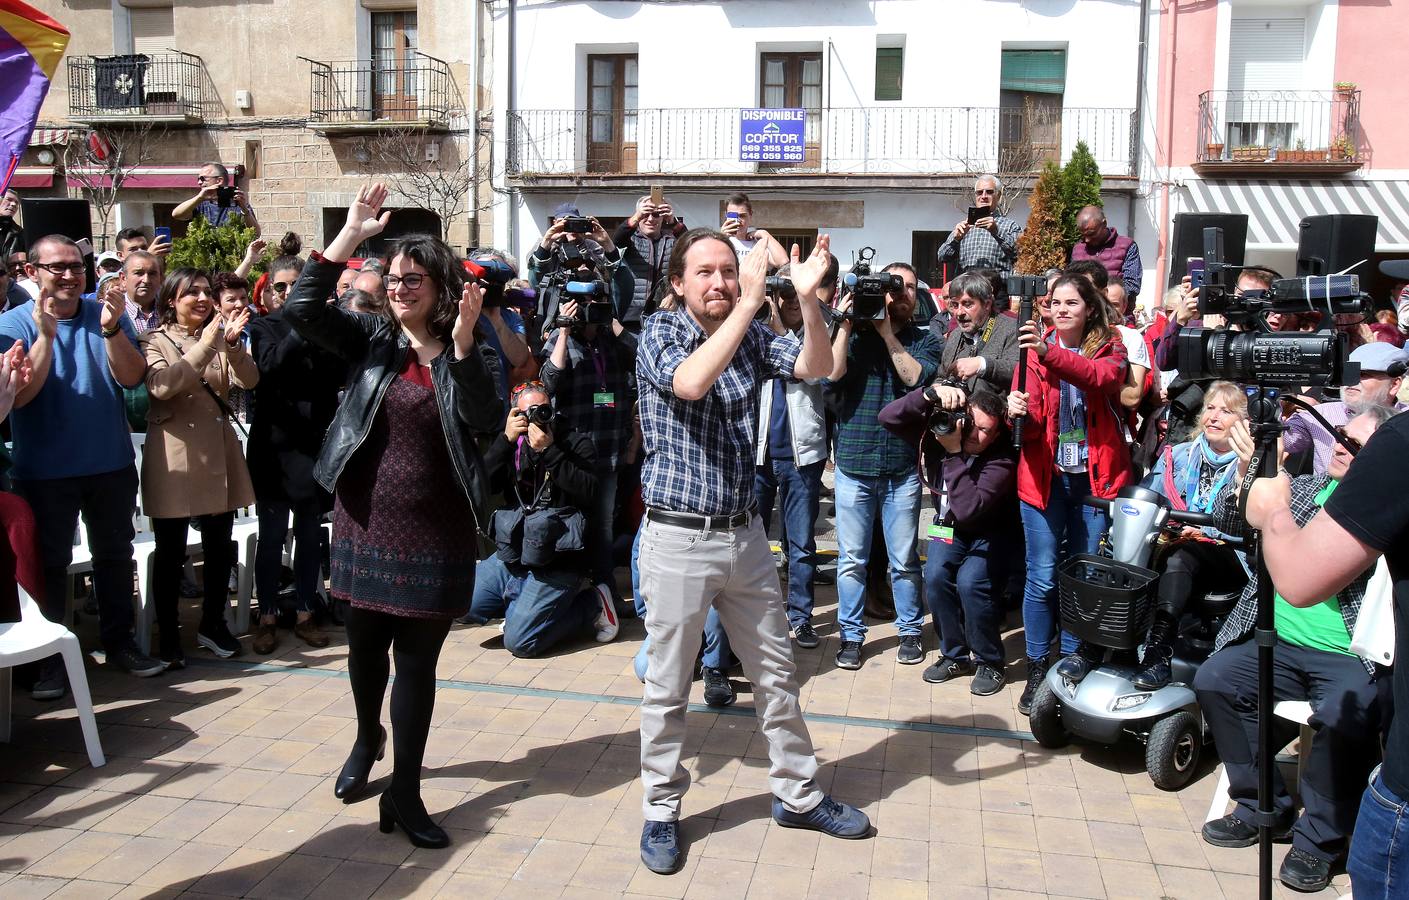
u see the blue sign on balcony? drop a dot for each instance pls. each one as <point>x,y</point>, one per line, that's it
<point>772,135</point>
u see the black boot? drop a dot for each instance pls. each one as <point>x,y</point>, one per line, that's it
<point>1036,672</point>
<point>1159,651</point>
<point>1077,666</point>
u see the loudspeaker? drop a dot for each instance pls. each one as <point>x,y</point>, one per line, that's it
<point>1189,240</point>
<point>69,218</point>
<point>1329,244</point>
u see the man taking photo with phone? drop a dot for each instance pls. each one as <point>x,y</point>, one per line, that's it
<point>983,238</point>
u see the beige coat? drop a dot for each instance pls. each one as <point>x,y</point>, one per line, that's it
<point>191,462</point>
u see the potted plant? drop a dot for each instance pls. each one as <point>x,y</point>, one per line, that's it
<point>1342,148</point>
<point>1250,154</point>
<point>1213,151</point>
<point>1345,90</point>
<point>1297,155</point>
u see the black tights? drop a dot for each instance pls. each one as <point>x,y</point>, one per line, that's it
<point>416,644</point>
<point>1201,566</point>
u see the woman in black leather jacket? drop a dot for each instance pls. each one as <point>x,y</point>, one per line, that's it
<point>408,484</point>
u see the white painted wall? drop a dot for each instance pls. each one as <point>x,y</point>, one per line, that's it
<point>702,55</point>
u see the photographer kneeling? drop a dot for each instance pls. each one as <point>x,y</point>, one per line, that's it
<point>533,579</point>
<point>972,475</point>
<point>1313,662</point>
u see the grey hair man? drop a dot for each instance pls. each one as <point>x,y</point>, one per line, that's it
<point>983,239</point>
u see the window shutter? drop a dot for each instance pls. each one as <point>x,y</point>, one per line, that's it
<point>1266,54</point>
<point>1034,71</point>
<point>153,30</point>
<point>890,68</point>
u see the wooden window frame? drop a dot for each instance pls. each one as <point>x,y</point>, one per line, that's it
<point>617,155</point>
<point>792,99</point>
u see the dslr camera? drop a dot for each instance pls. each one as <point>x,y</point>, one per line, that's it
<point>780,288</point>
<point>540,414</point>
<point>1257,355</point>
<point>868,292</point>
<point>944,422</point>
<point>225,196</point>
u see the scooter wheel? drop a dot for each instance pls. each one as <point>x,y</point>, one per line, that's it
<point>1172,750</point>
<point>1045,718</point>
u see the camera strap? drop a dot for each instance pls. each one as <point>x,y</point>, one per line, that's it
<point>518,467</point>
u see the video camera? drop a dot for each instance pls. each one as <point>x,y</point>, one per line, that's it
<point>1258,355</point>
<point>492,273</point>
<point>868,292</point>
<point>576,278</point>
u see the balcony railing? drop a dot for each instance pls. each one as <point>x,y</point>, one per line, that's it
<point>415,92</point>
<point>170,87</point>
<point>1320,129</point>
<point>881,141</point>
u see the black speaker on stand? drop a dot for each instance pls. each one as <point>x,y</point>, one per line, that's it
<point>1327,245</point>
<point>70,218</point>
<point>1189,240</point>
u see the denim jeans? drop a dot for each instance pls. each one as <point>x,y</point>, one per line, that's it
<point>797,490</point>
<point>716,642</point>
<point>897,499</point>
<point>308,552</point>
<point>541,608</point>
<point>106,503</point>
<point>1067,519</point>
<point>1379,852</point>
<point>960,577</point>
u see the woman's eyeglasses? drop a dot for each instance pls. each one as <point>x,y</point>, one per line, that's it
<point>412,281</point>
<point>1349,442</point>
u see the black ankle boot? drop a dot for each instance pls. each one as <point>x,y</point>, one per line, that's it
<point>410,813</point>
<point>1078,665</point>
<point>1159,651</point>
<point>353,777</point>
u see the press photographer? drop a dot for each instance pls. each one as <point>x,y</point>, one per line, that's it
<point>534,579</point>
<point>982,352</point>
<point>972,475</point>
<point>588,376</point>
<point>792,450</point>
<point>876,361</point>
<point>646,239</point>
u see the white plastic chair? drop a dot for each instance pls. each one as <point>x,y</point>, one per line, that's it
<point>1298,711</point>
<point>34,638</point>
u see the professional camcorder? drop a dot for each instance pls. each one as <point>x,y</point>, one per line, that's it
<point>492,273</point>
<point>576,278</point>
<point>1256,355</point>
<point>868,292</point>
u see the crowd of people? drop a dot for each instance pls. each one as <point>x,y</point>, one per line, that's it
<point>649,398</point>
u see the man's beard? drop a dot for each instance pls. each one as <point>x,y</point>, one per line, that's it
<point>716,316</point>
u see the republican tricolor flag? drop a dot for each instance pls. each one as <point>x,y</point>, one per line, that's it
<point>31,45</point>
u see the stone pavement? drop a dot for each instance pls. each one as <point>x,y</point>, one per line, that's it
<point>219,782</point>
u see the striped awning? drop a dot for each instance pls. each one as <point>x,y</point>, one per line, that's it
<point>1276,207</point>
<point>46,137</point>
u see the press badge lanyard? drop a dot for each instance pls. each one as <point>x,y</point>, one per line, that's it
<point>983,338</point>
<point>601,398</point>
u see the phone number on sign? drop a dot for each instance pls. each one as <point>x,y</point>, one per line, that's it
<point>771,155</point>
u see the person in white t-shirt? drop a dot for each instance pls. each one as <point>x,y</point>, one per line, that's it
<point>738,225</point>
<point>1137,352</point>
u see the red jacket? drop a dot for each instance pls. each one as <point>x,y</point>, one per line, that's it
<point>1101,378</point>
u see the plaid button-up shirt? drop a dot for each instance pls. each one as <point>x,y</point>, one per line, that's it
<point>863,447</point>
<point>980,248</point>
<point>143,321</point>
<point>575,390</point>
<point>700,453</point>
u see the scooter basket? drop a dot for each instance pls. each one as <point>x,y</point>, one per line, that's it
<point>1106,603</point>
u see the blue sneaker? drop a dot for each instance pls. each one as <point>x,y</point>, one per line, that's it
<point>660,847</point>
<point>828,817</point>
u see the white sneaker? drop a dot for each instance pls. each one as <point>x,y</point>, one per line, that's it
<point>606,623</point>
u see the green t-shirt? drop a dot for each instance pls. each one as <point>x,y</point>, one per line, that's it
<point>1319,627</point>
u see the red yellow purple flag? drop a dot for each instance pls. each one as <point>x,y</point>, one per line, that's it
<point>31,45</point>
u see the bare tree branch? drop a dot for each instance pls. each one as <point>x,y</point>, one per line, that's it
<point>99,175</point>
<point>445,185</point>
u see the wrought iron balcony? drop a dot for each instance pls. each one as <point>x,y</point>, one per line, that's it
<point>882,141</point>
<point>1289,131</point>
<point>361,95</point>
<point>170,87</point>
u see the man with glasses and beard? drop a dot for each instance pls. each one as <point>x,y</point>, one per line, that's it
<point>989,242</point>
<point>73,450</point>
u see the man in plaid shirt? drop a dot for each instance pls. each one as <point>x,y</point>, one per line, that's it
<point>700,369</point>
<point>991,242</point>
<point>875,470</point>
